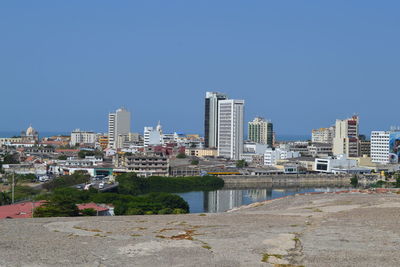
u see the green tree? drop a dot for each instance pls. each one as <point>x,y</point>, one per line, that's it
<point>62,157</point>
<point>57,206</point>
<point>241,163</point>
<point>354,181</point>
<point>181,156</point>
<point>4,198</point>
<point>194,162</point>
<point>10,159</point>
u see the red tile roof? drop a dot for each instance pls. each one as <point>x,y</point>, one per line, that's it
<point>20,210</point>
<point>24,209</point>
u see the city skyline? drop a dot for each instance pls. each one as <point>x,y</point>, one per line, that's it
<point>60,74</point>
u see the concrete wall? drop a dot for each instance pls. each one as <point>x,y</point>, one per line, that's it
<point>285,180</point>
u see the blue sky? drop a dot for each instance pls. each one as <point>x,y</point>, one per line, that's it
<point>302,64</point>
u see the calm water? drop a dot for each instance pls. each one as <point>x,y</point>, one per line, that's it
<point>223,200</point>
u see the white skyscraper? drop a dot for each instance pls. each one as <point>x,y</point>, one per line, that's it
<point>380,147</point>
<point>211,118</point>
<point>230,128</point>
<point>119,123</point>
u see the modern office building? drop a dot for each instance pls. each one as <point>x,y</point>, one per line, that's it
<point>230,128</point>
<point>82,137</point>
<point>346,140</point>
<point>211,118</point>
<point>119,123</point>
<point>323,135</point>
<point>380,147</point>
<point>261,131</point>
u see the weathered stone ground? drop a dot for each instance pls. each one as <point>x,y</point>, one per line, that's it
<point>351,229</point>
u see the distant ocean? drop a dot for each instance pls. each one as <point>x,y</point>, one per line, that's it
<point>279,137</point>
<point>41,134</point>
<point>293,137</point>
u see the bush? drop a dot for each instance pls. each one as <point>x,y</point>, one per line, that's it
<point>57,208</point>
<point>181,156</point>
<point>89,212</point>
<point>129,183</point>
<point>134,211</point>
<point>165,211</point>
<point>241,163</point>
<point>179,211</point>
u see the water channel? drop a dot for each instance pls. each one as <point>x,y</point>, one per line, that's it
<point>226,199</point>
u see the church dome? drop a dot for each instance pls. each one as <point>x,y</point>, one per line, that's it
<point>30,131</point>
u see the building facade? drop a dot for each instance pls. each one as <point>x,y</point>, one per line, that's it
<point>272,156</point>
<point>261,131</point>
<point>82,137</point>
<point>146,165</point>
<point>230,128</point>
<point>119,123</point>
<point>211,118</point>
<point>323,135</point>
<point>346,140</point>
<point>380,147</point>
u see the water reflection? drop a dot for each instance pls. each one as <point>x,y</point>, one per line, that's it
<point>226,199</point>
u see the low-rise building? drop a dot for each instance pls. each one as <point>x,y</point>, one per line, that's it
<point>320,149</point>
<point>271,156</point>
<point>145,165</point>
<point>201,152</point>
<point>329,164</point>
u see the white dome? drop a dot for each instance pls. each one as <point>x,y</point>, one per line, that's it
<point>30,131</point>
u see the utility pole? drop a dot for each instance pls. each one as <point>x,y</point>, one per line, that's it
<point>12,188</point>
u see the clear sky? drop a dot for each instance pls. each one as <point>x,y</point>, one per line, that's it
<point>302,64</point>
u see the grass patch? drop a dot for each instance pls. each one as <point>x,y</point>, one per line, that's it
<point>206,246</point>
<point>88,230</point>
<point>135,235</point>
<point>202,214</point>
<point>287,265</point>
<point>266,256</point>
<point>294,225</point>
<point>140,228</point>
<point>99,235</point>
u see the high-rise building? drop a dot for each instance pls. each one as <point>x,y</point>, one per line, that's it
<point>323,135</point>
<point>380,147</point>
<point>119,123</point>
<point>230,128</point>
<point>261,131</point>
<point>346,140</point>
<point>211,118</point>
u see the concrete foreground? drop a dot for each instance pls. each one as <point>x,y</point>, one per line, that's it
<point>349,229</point>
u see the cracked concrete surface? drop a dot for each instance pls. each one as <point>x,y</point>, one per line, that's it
<point>352,229</point>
